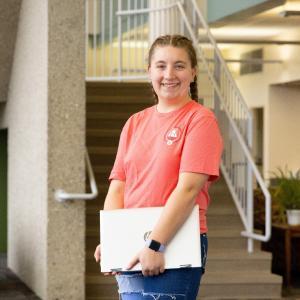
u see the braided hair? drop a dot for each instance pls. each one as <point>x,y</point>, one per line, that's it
<point>177,41</point>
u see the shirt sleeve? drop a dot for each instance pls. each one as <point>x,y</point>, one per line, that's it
<point>118,170</point>
<point>202,147</point>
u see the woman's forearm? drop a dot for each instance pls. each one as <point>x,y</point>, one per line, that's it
<point>179,206</point>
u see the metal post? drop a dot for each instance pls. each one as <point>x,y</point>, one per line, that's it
<point>94,39</point>
<point>250,185</point>
<point>102,35</point>
<point>86,37</point>
<point>111,36</point>
<point>120,40</point>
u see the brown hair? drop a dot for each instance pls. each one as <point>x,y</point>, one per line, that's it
<point>177,41</point>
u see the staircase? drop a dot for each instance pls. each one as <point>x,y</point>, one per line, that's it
<point>109,105</point>
<point>231,272</point>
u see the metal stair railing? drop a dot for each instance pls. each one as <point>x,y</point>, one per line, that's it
<point>62,196</point>
<point>238,166</point>
<point>234,117</point>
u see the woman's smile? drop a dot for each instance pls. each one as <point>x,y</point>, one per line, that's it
<point>170,84</point>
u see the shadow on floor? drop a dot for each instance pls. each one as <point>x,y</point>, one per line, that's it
<point>11,287</point>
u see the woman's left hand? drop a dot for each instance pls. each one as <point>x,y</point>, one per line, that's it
<point>152,262</point>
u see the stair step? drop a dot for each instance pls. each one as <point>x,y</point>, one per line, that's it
<point>224,221</point>
<point>238,260</point>
<point>105,285</point>
<point>221,277</point>
<point>110,116</point>
<point>240,285</point>
<point>102,173</point>
<point>221,209</point>
<point>102,155</point>
<point>225,232</point>
<point>103,132</point>
<point>94,208</point>
<point>113,120</point>
<point>120,88</point>
<point>102,150</point>
<point>220,194</point>
<point>103,137</point>
<point>134,101</point>
<point>226,240</point>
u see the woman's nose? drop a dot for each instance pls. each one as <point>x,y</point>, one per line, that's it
<point>169,72</point>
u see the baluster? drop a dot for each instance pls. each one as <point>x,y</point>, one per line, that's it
<point>111,36</point>
<point>128,63</point>
<point>135,39</point>
<point>102,47</point>
<point>94,38</point>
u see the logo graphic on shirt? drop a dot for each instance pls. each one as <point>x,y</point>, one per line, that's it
<point>173,135</point>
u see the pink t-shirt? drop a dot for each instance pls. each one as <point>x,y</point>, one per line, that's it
<point>155,147</point>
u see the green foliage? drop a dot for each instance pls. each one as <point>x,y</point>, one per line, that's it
<point>278,211</point>
<point>285,194</point>
<point>287,189</point>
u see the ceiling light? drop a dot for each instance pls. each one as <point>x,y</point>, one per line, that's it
<point>239,32</point>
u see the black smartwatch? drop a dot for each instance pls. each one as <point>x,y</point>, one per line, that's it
<point>155,245</point>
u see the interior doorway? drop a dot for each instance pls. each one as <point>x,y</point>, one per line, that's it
<point>258,137</point>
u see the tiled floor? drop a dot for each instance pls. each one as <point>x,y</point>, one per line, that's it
<point>11,287</point>
<point>292,293</point>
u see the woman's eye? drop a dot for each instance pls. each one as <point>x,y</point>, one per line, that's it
<point>179,67</point>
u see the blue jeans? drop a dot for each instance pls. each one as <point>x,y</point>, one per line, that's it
<point>176,284</point>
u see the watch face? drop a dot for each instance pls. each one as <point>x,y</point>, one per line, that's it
<point>154,245</point>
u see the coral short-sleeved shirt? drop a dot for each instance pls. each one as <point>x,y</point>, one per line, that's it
<point>155,147</point>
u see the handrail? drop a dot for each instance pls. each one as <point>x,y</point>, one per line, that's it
<point>249,231</point>
<point>144,10</point>
<point>220,57</point>
<point>62,196</point>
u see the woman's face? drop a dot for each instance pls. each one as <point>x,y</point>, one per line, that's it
<point>171,73</point>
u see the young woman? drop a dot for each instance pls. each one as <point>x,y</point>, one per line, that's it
<point>168,155</point>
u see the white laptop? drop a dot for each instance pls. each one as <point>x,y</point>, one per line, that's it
<point>123,233</point>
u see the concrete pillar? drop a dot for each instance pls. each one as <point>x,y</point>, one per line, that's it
<point>66,146</point>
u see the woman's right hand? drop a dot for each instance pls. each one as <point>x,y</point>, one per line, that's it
<point>97,253</point>
<point>97,256</point>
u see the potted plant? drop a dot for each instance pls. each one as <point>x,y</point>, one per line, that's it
<point>287,192</point>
